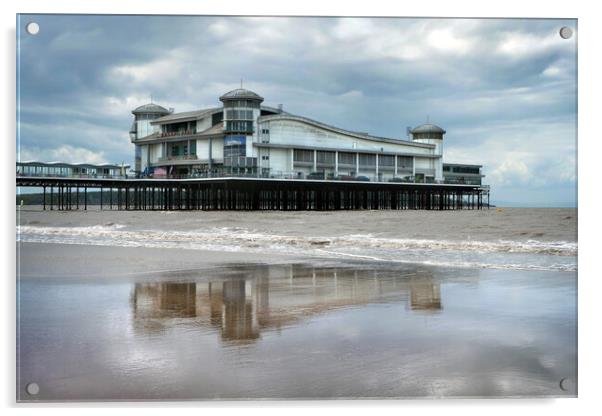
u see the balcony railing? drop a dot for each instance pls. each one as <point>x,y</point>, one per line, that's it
<point>73,175</point>
<point>425,171</point>
<point>240,161</point>
<point>178,157</point>
<point>178,133</point>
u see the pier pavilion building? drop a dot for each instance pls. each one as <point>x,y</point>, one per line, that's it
<point>244,137</point>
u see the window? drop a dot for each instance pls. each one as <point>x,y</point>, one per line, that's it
<point>325,157</point>
<point>466,169</point>
<point>405,162</point>
<point>367,160</point>
<point>234,151</point>
<point>235,146</point>
<point>265,158</point>
<point>181,149</point>
<point>239,126</point>
<point>303,155</point>
<point>239,114</point>
<point>386,160</point>
<point>241,104</point>
<point>347,158</point>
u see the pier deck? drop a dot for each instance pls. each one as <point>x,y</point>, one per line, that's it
<point>235,193</point>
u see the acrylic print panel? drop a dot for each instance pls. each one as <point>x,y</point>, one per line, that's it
<point>300,208</point>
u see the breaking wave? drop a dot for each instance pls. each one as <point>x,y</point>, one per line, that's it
<point>530,254</point>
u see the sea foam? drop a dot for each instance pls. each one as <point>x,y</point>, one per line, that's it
<point>530,254</point>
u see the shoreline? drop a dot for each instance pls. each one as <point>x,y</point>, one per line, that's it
<point>517,239</point>
<point>72,262</point>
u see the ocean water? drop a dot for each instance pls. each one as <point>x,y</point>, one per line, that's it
<point>330,305</point>
<point>486,239</point>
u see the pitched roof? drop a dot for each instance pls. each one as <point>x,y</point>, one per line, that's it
<point>187,115</point>
<point>218,129</point>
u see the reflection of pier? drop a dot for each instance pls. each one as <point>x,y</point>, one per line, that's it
<point>425,296</point>
<point>244,302</point>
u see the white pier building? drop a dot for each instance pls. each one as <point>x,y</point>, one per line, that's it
<point>243,137</point>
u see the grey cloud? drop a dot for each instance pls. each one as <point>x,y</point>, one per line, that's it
<point>480,79</point>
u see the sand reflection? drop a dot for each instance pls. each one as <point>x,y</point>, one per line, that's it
<point>241,302</point>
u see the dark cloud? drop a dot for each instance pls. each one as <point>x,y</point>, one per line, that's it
<point>505,89</point>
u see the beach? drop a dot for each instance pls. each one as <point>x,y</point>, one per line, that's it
<point>260,305</point>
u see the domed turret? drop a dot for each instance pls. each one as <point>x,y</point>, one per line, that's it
<point>241,94</point>
<point>241,109</point>
<point>142,127</point>
<point>430,134</point>
<point>150,108</point>
<point>143,115</point>
<point>427,131</point>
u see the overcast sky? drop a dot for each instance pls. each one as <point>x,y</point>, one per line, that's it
<point>505,90</point>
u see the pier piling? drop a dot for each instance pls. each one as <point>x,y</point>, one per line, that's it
<point>256,194</point>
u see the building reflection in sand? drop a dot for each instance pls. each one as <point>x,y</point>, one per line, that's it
<point>241,302</point>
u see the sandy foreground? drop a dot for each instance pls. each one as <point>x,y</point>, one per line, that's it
<point>111,322</point>
<point>82,262</point>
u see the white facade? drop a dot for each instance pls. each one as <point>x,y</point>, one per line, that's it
<point>245,138</point>
<point>375,158</point>
<point>145,128</point>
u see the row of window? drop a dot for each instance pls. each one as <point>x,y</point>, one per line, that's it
<point>51,170</point>
<point>241,103</point>
<point>240,161</point>
<point>427,135</point>
<point>239,114</point>
<point>181,149</point>
<point>235,150</point>
<point>185,126</point>
<point>239,126</point>
<point>148,116</point>
<point>347,158</point>
<point>462,169</point>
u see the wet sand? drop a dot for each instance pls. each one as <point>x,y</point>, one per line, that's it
<point>123,323</point>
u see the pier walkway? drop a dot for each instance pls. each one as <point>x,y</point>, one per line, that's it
<point>236,193</point>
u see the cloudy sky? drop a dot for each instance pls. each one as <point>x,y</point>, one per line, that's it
<point>505,90</point>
